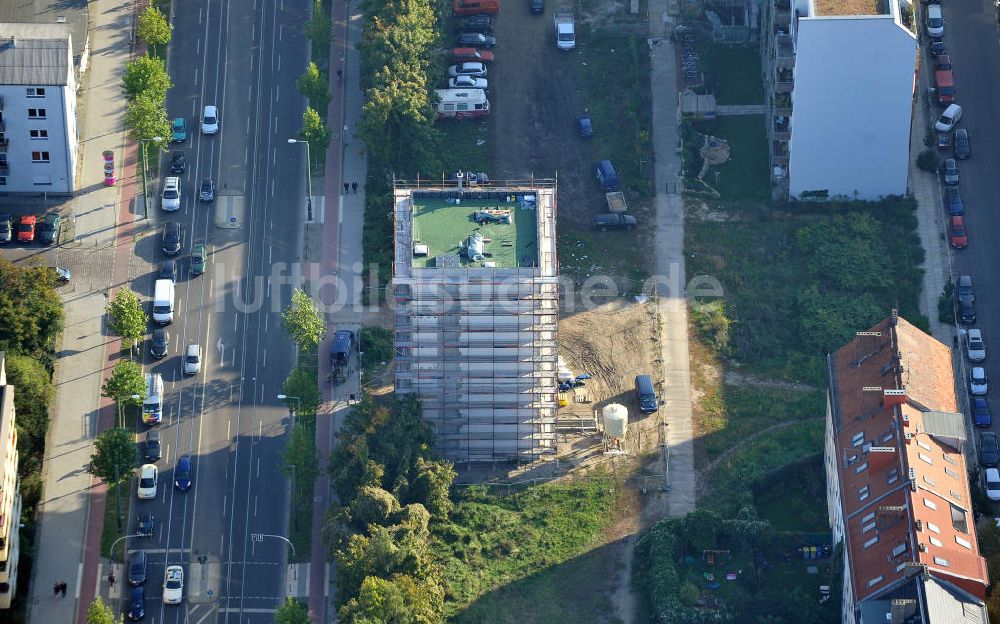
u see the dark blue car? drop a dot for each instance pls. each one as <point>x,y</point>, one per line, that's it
<point>182,473</point>
<point>137,604</point>
<point>981,415</point>
<point>953,202</point>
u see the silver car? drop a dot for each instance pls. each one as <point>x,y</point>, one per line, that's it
<point>979,385</point>
<point>468,69</point>
<point>974,345</point>
<point>192,359</point>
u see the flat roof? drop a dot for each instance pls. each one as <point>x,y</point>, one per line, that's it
<point>846,8</point>
<point>444,227</point>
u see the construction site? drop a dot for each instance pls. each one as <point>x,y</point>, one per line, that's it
<point>476,298</point>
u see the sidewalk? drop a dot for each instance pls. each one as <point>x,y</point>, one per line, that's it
<point>72,507</point>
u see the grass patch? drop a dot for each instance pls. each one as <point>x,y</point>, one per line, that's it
<point>376,350</point>
<point>493,541</point>
<point>788,500</point>
<point>110,532</point>
<point>745,176</point>
<point>304,479</point>
<point>466,145</point>
<point>733,73</point>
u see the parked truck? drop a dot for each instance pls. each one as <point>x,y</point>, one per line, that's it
<point>340,356</point>
<point>565,33</point>
<point>616,202</point>
<point>614,221</point>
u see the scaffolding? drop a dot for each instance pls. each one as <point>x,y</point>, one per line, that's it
<point>477,343</point>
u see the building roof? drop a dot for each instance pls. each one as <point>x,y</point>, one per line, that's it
<point>848,8</point>
<point>73,13</point>
<point>34,54</point>
<point>898,441</point>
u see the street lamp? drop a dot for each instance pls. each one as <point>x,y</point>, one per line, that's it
<point>259,537</point>
<point>145,190</point>
<point>285,397</point>
<point>309,183</point>
<point>111,552</point>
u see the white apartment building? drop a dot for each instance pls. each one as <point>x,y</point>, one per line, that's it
<point>38,122</point>
<point>10,493</point>
<point>839,78</point>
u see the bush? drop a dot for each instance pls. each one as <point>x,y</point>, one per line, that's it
<point>688,594</point>
<point>928,161</point>
<point>711,323</point>
<point>946,304</point>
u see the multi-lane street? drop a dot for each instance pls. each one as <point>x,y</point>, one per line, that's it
<point>244,58</point>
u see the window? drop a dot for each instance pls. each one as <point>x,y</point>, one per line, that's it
<point>941,561</point>
<point>40,157</point>
<point>38,134</point>
<point>936,541</point>
<point>933,527</point>
<point>888,436</point>
<point>861,468</point>
<point>36,113</point>
<point>899,549</point>
<point>864,493</point>
<point>924,445</point>
<point>3,180</point>
<point>892,476</point>
<point>858,438</point>
<point>875,581</point>
<point>951,473</point>
<point>929,481</point>
<point>925,458</point>
<point>929,503</point>
<point>958,519</point>
<point>35,92</point>
<point>901,567</point>
<point>868,527</point>
<point>868,517</point>
<point>948,458</point>
<point>963,542</point>
<point>871,542</point>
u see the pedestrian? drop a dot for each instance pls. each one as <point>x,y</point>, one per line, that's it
<point>111,579</point>
<point>340,75</point>
<point>62,588</point>
<point>55,589</point>
<point>346,188</point>
<point>354,187</point>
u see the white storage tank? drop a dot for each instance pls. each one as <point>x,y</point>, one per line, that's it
<point>615,417</point>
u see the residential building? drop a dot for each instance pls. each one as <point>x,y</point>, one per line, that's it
<point>476,295</point>
<point>38,122</point>
<point>10,493</point>
<point>897,481</point>
<point>839,79</point>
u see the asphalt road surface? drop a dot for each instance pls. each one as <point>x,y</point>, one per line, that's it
<point>243,59</point>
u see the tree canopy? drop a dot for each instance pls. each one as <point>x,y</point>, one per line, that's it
<point>146,118</point>
<point>401,599</point>
<point>303,321</point>
<point>100,613</point>
<point>114,448</point>
<point>127,317</point>
<point>31,314</point>
<point>126,380</point>
<point>291,612</point>
<point>153,27</point>
<point>146,74</point>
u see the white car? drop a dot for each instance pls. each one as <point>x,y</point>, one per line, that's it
<point>975,347</point>
<point>949,117</point>
<point>992,478</point>
<point>935,20</point>
<point>468,69</point>
<point>171,198</point>
<point>978,384</point>
<point>210,120</point>
<point>467,82</point>
<point>147,482</point>
<point>192,360</point>
<point>173,585</point>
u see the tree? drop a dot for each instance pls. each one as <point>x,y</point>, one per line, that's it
<point>146,118</point>
<point>387,551</point>
<point>291,612</point>
<point>318,27</point>
<point>315,85</point>
<point>372,505</point>
<point>300,452</point>
<point>127,317</point>
<point>146,75</point>
<point>431,486</point>
<point>153,27</point>
<point>31,314</point>
<point>303,321</point>
<point>125,382</point>
<point>316,133</point>
<point>34,391</point>
<point>402,599</point>
<point>115,456</point>
<point>100,613</point>
<point>302,383</point>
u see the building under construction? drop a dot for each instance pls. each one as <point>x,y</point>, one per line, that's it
<point>476,298</point>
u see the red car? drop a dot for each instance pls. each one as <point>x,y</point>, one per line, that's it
<point>957,235</point>
<point>461,55</point>
<point>26,228</point>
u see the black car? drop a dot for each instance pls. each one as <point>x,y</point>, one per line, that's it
<point>953,201</point>
<point>159,344</point>
<point>536,6</point>
<point>182,473</point>
<point>6,228</point>
<point>989,449</point>
<point>151,447</point>
<point>965,289</point>
<point>170,241</point>
<point>168,270</point>
<point>207,192</point>
<point>963,149</point>
<point>137,567</point>
<point>178,163</point>
<point>48,229</point>
<point>937,46</point>
<point>476,39</point>
<point>481,23</point>
<point>137,604</point>
<point>966,313</point>
<point>146,526</point>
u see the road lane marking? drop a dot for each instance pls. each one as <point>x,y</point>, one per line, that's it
<point>196,75</point>
<point>279,62</point>
<point>277,92</point>
<point>265,366</point>
<point>267,316</point>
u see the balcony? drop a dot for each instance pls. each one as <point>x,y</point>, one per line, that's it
<point>4,168</point>
<point>783,105</point>
<point>782,13</point>
<point>4,143</point>
<point>779,152</point>
<point>782,129</point>
<point>784,52</point>
<point>784,81</point>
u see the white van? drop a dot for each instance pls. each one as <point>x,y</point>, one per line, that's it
<point>152,407</point>
<point>935,21</point>
<point>949,117</point>
<point>171,199</point>
<point>462,103</point>
<point>163,302</point>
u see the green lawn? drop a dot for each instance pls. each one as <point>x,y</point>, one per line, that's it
<point>745,176</point>
<point>791,499</point>
<point>110,532</point>
<point>733,73</point>
<point>466,145</point>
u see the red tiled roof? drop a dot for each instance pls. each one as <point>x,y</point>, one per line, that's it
<point>899,494</point>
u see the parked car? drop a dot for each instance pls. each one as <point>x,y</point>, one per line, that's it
<point>965,289</point>
<point>991,480</point>
<point>179,130</point>
<point>953,202</point>
<point>178,162</point>
<point>159,344</point>
<point>962,147</point>
<point>192,359</point>
<point>168,270</point>
<point>949,172</point>
<point>461,55</point>
<point>151,447</point>
<point>170,241</point>
<point>614,221</point>
<point>981,415</point>
<point>468,69</point>
<point>171,197</point>
<point>584,126</point>
<point>198,259</point>
<point>536,6</point>
<point>61,275</point>
<point>137,604</point>
<point>989,449</point>
<point>207,192</point>
<point>6,228</point>
<point>182,473</point>
<point>481,23</point>
<point>467,82</point>
<point>935,21</point>
<point>949,117</point>
<point>476,39</point>
<point>210,120</point>
<point>173,585</point>
<point>137,567</point>
<point>957,234</point>
<point>942,62</point>
<point>26,228</point>
<point>979,385</point>
<point>975,348</point>
<point>966,313</point>
<point>48,228</point>
<point>146,525</point>
<point>148,475</point>
<point>937,47</point>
